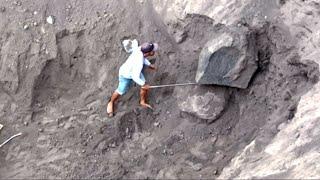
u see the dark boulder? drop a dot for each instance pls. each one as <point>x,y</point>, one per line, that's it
<point>229,58</point>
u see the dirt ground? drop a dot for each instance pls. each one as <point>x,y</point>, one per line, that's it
<point>56,79</point>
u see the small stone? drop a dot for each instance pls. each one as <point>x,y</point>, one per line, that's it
<point>83,151</point>
<point>35,24</point>
<point>26,26</point>
<point>113,145</point>
<point>197,167</point>
<point>164,152</point>
<point>17,3</point>
<point>26,123</point>
<point>297,135</point>
<point>41,130</point>
<point>2,9</point>
<point>215,172</point>
<point>50,20</point>
<point>171,153</point>
<point>156,124</point>
<point>35,12</point>
<point>265,17</point>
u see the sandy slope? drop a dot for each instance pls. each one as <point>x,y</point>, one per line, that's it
<point>56,79</point>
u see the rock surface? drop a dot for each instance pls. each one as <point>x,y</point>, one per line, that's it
<point>229,58</point>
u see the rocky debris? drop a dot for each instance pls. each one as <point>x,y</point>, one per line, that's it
<point>229,58</point>
<point>156,124</point>
<point>205,102</point>
<point>195,166</point>
<point>50,20</point>
<point>17,3</point>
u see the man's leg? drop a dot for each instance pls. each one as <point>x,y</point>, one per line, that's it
<point>113,99</point>
<point>123,86</point>
<point>143,98</point>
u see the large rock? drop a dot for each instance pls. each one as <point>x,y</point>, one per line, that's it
<point>205,102</point>
<point>228,59</point>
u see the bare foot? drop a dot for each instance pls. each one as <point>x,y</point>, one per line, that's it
<point>110,109</point>
<point>145,105</point>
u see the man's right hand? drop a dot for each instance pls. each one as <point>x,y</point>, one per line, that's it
<point>146,87</point>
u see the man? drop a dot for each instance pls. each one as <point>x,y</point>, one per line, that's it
<point>131,70</point>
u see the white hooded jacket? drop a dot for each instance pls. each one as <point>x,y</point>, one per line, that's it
<point>133,66</point>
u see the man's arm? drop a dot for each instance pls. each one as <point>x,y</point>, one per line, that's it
<point>147,62</point>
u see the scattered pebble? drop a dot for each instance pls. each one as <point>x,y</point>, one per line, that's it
<point>215,172</point>
<point>265,17</point>
<point>113,145</point>
<point>164,152</point>
<point>35,12</point>
<point>68,7</point>
<point>26,26</point>
<point>156,124</point>
<point>50,20</point>
<point>25,123</point>
<point>41,130</point>
<point>197,167</point>
<point>2,9</point>
<point>17,3</point>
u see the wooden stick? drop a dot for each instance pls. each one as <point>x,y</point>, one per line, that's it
<point>16,135</point>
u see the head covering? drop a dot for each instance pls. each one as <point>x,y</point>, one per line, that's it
<point>148,47</point>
